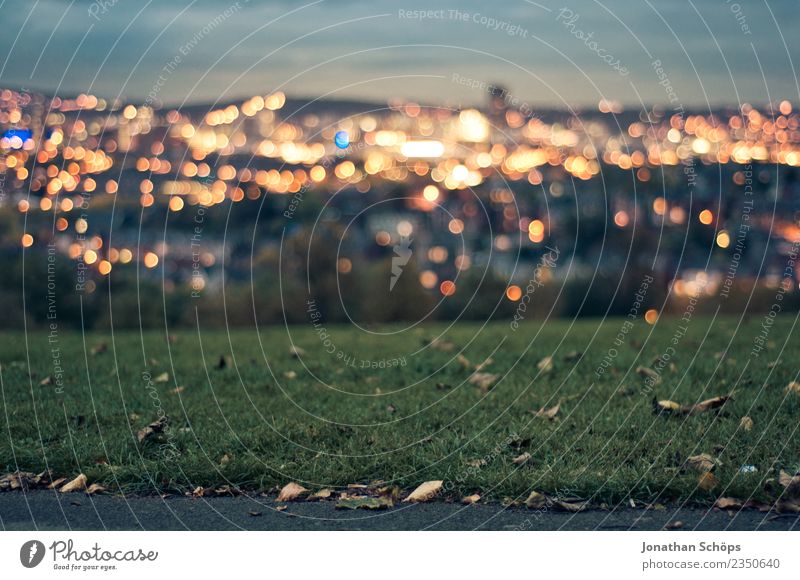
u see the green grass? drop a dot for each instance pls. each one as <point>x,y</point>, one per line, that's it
<point>348,425</point>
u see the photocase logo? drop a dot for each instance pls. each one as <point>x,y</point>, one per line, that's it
<point>402,255</point>
<point>31,553</point>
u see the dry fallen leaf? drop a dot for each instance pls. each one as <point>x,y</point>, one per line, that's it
<point>153,428</point>
<point>464,361</point>
<point>290,375</point>
<point>47,381</point>
<point>709,404</point>
<point>199,491</point>
<point>671,407</point>
<point>162,378</point>
<point>575,506</point>
<point>522,459</point>
<point>676,525</point>
<point>793,387</point>
<point>177,390</point>
<point>296,351</point>
<point>321,494</point>
<point>724,503</point>
<point>281,508</point>
<point>484,364</point>
<point>442,345</point>
<point>425,492</point>
<point>364,502</point>
<point>791,483</point>
<point>536,500</point>
<point>99,348</point>
<point>707,481</point>
<point>57,483</point>
<point>471,499</point>
<point>484,381</point>
<point>648,373</point>
<point>225,460</point>
<point>95,488</point>
<point>545,365</point>
<point>668,406</point>
<point>746,423</point>
<point>291,491</point>
<point>77,484</point>
<point>547,413</point>
<point>703,462</point>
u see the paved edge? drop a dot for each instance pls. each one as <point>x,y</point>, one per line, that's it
<point>50,510</point>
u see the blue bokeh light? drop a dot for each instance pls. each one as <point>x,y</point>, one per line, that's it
<point>342,139</point>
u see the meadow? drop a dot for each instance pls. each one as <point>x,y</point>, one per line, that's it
<point>567,408</point>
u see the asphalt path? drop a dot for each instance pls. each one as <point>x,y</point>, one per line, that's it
<point>50,510</point>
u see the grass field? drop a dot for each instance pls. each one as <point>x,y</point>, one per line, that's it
<point>255,425</point>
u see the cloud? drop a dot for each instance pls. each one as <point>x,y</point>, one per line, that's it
<point>135,39</point>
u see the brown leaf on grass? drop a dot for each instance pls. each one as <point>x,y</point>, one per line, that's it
<point>484,364</point>
<point>198,491</point>
<point>702,463</point>
<point>18,480</point>
<point>746,423</point>
<point>666,406</point>
<point>320,495</point>
<point>364,502</point>
<point>281,508</point>
<point>96,488</point>
<point>548,413</point>
<point>725,503</point>
<point>77,484</point>
<point>425,492</point>
<point>545,365</point>
<point>471,499</point>
<point>790,483</point>
<point>793,387</point>
<point>536,500</point>
<point>291,491</point>
<point>648,373</point>
<point>99,348</point>
<point>290,375</point>
<point>296,352</point>
<point>57,483</point>
<point>47,381</point>
<point>464,361</point>
<point>442,345</point>
<point>708,404</point>
<point>522,459</point>
<point>673,408</point>
<point>707,481</point>
<point>162,378</point>
<point>476,463</point>
<point>225,460</point>
<point>152,429</point>
<point>177,390</point>
<point>484,381</point>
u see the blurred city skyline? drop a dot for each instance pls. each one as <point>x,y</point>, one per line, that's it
<point>551,55</point>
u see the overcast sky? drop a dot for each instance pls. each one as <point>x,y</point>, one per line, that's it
<point>712,51</point>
